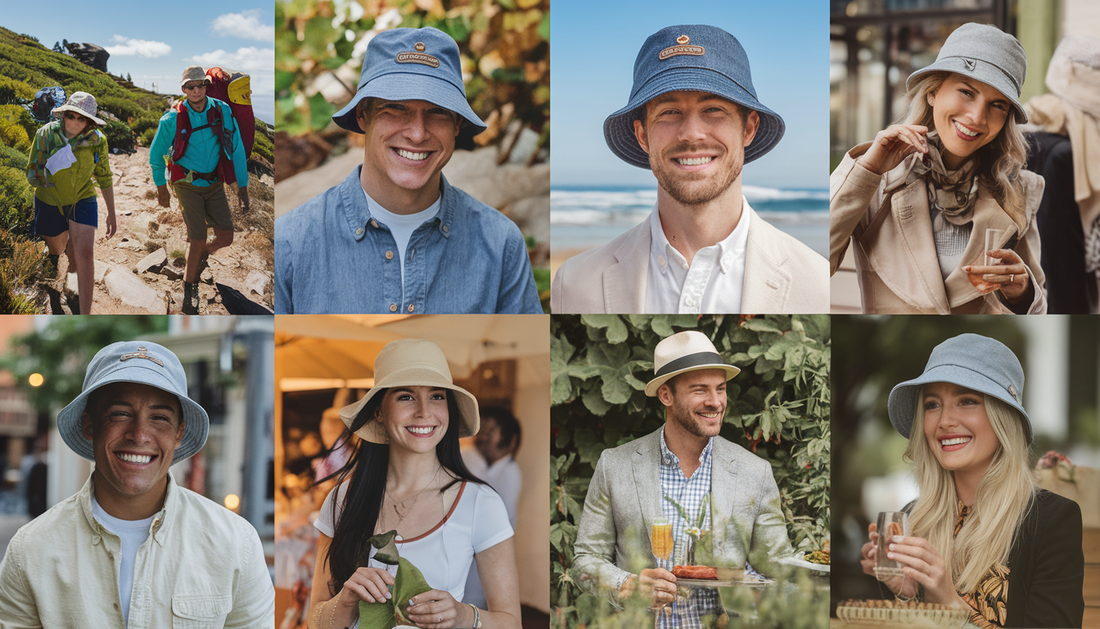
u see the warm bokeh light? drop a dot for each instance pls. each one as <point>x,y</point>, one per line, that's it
<point>36,379</point>
<point>232,502</point>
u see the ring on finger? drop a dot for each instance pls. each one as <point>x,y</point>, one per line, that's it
<point>1011,278</point>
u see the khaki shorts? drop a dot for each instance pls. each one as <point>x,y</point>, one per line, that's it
<point>203,206</point>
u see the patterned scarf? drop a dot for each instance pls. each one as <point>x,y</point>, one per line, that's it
<point>952,193</point>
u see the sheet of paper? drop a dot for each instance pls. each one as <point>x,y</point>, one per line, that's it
<point>61,160</point>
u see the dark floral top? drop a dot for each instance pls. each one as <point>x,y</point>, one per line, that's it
<point>989,602</point>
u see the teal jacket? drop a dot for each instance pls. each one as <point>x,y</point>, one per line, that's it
<point>203,148</point>
<point>72,184</point>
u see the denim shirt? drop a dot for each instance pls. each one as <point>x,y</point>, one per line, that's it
<point>332,256</point>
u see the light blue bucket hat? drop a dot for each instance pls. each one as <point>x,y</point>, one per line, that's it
<point>411,64</point>
<point>695,58</point>
<point>141,362</point>
<point>968,360</point>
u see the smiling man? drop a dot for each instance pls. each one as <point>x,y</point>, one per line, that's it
<point>694,120</point>
<point>133,549</point>
<point>682,472</point>
<point>395,236</point>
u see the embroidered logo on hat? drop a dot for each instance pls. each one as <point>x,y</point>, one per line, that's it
<point>420,47</point>
<point>418,57</point>
<point>969,64</point>
<point>681,49</point>
<point>141,353</point>
<point>1012,390</point>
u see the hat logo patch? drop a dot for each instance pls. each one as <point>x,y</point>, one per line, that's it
<point>681,49</point>
<point>141,353</point>
<point>418,57</point>
<point>420,47</point>
<point>1012,390</point>
<point>969,64</point>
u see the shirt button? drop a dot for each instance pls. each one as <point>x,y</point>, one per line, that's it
<point>445,230</point>
<point>374,223</point>
<point>359,231</point>
<point>389,255</point>
<point>116,605</point>
<point>393,307</point>
<point>411,307</point>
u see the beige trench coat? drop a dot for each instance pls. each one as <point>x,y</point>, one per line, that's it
<point>896,263</point>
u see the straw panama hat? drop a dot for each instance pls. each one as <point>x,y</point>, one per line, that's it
<point>683,352</point>
<point>409,363</point>
<point>140,362</point>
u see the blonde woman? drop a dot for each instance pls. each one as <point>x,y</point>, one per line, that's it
<point>920,202</point>
<point>982,537</point>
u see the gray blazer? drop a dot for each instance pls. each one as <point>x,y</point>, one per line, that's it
<point>624,498</point>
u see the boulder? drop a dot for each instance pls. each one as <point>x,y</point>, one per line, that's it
<point>155,259</point>
<point>90,55</point>
<point>128,288</point>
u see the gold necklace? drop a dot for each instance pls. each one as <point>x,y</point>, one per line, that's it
<point>399,506</point>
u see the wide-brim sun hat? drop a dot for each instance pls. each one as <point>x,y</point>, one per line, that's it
<point>683,352</point>
<point>194,73</point>
<point>410,363</point>
<point>697,58</point>
<point>82,103</point>
<point>984,53</point>
<point>139,362</point>
<point>411,64</point>
<point>973,361</point>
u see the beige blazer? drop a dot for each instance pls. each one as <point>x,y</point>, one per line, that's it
<point>896,263</point>
<point>782,275</point>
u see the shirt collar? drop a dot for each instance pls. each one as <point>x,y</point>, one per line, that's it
<point>161,520</point>
<point>357,213</point>
<point>729,248</point>
<point>670,459</point>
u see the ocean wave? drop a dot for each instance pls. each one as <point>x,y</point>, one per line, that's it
<point>757,193</point>
<point>602,199</point>
<point>559,216</point>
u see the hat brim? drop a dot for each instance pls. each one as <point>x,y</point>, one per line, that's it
<point>399,86</point>
<point>57,111</point>
<point>983,72</point>
<point>375,432</point>
<point>618,128</point>
<point>654,384</point>
<point>196,421</point>
<point>903,400</point>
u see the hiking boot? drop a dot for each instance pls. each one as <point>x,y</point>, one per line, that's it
<point>51,266</point>
<point>190,298</point>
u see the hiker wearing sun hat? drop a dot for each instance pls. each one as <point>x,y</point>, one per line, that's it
<point>979,522</point>
<point>921,201</point>
<point>683,473</point>
<point>133,548</point>
<point>68,159</point>
<point>427,246</point>
<point>694,119</point>
<point>407,476</point>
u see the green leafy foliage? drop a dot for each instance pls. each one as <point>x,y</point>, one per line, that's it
<point>408,583</point>
<point>778,407</point>
<point>119,135</point>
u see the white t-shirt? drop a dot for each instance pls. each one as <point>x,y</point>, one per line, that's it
<point>132,534</point>
<point>712,283</point>
<point>401,226</point>
<point>505,477</point>
<point>477,521</point>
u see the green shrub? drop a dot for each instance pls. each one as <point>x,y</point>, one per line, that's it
<point>119,135</point>
<point>147,137</point>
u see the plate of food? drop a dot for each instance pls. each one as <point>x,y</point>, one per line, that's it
<point>708,576</point>
<point>816,560</point>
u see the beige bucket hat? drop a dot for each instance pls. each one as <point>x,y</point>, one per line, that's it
<point>683,352</point>
<point>407,363</point>
<point>194,73</point>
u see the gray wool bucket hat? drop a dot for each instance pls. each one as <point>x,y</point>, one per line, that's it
<point>411,64</point>
<point>969,360</point>
<point>696,58</point>
<point>140,362</point>
<point>984,53</point>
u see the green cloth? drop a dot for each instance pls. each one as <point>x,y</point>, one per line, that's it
<point>69,185</point>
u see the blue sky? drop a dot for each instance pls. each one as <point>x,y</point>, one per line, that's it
<point>592,52</point>
<point>154,41</point>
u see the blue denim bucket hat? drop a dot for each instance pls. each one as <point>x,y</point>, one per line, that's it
<point>411,64</point>
<point>141,362</point>
<point>968,360</point>
<point>696,58</point>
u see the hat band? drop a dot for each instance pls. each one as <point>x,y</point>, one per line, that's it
<point>1006,73</point>
<point>691,360</point>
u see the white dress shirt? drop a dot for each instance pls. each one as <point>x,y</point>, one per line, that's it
<point>712,283</point>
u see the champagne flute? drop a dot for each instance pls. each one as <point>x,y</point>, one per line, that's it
<point>660,536</point>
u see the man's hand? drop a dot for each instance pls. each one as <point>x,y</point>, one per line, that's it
<point>242,196</point>
<point>163,198</point>
<point>657,584</point>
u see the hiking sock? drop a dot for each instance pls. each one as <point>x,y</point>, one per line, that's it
<point>190,298</point>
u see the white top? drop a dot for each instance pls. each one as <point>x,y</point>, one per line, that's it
<point>712,283</point>
<point>402,226</point>
<point>132,534</point>
<point>477,521</point>
<point>504,477</point>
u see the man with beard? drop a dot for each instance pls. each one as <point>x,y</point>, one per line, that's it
<point>683,473</point>
<point>694,120</point>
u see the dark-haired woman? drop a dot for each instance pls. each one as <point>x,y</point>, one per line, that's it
<point>408,476</point>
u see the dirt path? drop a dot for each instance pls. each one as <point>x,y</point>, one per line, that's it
<point>140,269</point>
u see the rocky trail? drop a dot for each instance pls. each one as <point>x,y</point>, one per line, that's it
<point>140,269</point>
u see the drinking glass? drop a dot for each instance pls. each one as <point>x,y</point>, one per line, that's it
<point>661,537</point>
<point>994,238</point>
<point>890,523</point>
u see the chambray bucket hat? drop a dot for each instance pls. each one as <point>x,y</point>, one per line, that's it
<point>683,352</point>
<point>968,360</point>
<point>82,103</point>
<point>411,64</point>
<point>141,362</point>
<point>984,53</point>
<point>407,363</point>
<point>695,58</point>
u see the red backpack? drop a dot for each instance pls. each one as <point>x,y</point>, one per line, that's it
<point>224,133</point>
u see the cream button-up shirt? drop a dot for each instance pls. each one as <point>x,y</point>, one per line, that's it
<point>201,567</point>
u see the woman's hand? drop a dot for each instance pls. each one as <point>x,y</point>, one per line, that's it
<point>1009,275</point>
<point>370,585</point>
<point>436,609</point>
<point>892,145</point>
<point>924,564</point>
<point>902,587</point>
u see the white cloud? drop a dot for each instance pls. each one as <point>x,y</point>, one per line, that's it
<point>258,63</point>
<point>245,24</point>
<point>128,47</point>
